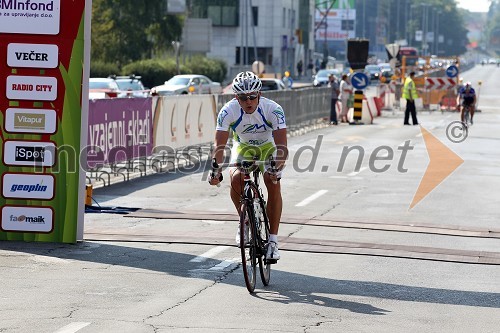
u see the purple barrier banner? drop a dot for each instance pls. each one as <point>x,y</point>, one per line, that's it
<point>120,129</point>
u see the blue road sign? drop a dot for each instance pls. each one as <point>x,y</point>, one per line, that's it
<point>452,71</point>
<point>359,80</point>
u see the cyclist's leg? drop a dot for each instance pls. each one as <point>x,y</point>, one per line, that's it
<point>274,204</point>
<point>462,107</point>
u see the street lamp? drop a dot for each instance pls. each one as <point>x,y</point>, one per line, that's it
<point>177,46</point>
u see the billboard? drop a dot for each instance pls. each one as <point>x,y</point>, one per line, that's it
<point>335,20</point>
<point>43,108</point>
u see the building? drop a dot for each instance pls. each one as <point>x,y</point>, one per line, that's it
<point>279,33</point>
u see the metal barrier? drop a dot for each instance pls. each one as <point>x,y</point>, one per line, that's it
<point>304,108</point>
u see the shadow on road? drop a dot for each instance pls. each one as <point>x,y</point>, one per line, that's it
<point>283,286</point>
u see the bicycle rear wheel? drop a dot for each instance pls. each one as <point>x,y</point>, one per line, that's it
<point>248,250</point>
<point>264,267</point>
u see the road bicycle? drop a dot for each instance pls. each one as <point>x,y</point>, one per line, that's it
<point>253,216</point>
<point>467,119</point>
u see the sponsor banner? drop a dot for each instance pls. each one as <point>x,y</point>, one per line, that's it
<point>28,186</point>
<point>184,120</point>
<point>121,129</point>
<point>39,17</point>
<point>30,120</point>
<point>29,153</point>
<point>45,48</point>
<point>32,55</point>
<point>33,88</point>
<point>27,219</point>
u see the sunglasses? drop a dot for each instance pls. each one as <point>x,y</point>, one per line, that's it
<point>245,97</point>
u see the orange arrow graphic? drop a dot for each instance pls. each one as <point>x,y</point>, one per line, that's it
<point>442,162</point>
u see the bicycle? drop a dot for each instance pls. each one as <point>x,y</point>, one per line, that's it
<point>252,212</point>
<point>466,111</point>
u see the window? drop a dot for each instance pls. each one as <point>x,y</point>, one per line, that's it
<point>255,16</point>
<point>221,12</point>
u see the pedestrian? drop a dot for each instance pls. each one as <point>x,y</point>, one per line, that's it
<point>299,68</point>
<point>345,94</point>
<point>410,94</point>
<point>317,65</point>
<point>310,67</point>
<point>335,91</point>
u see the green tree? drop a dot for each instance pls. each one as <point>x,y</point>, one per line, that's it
<point>124,31</point>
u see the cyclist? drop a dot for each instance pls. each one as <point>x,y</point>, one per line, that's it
<point>466,97</point>
<point>259,130</point>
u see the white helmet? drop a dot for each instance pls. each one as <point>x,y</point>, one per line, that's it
<point>246,83</point>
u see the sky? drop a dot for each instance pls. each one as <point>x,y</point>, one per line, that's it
<point>474,5</point>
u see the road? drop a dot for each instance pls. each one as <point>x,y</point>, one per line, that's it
<point>355,256</point>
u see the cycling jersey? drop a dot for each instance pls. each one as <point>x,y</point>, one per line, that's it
<point>252,133</point>
<point>467,97</point>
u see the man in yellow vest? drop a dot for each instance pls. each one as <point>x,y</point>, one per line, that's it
<point>410,94</point>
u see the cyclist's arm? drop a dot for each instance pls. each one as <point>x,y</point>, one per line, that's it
<point>221,138</point>
<point>281,147</point>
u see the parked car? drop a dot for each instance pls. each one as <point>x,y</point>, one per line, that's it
<point>268,84</point>
<point>372,71</point>
<point>272,84</point>
<point>100,88</point>
<point>187,83</point>
<point>130,86</point>
<point>321,78</point>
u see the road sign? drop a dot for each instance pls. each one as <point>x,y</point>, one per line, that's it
<point>359,80</point>
<point>452,71</point>
<point>439,83</point>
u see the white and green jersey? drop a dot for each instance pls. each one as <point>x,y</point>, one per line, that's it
<point>255,129</point>
<point>252,133</point>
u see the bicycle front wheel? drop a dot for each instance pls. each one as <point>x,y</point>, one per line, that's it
<point>248,249</point>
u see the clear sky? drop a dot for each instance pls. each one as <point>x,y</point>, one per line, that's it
<point>474,5</point>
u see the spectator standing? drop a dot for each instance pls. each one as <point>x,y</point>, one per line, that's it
<point>335,89</point>
<point>299,68</point>
<point>345,94</point>
<point>410,94</point>
<point>317,65</point>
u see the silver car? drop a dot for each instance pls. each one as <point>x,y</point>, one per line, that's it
<point>185,84</point>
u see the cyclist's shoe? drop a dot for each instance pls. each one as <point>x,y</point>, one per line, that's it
<point>471,122</point>
<point>237,238</point>
<point>272,255</point>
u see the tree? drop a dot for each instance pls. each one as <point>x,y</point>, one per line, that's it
<point>124,31</point>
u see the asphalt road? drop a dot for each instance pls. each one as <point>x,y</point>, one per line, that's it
<point>355,257</point>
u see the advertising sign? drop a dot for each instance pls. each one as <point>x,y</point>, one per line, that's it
<point>43,109</point>
<point>335,20</point>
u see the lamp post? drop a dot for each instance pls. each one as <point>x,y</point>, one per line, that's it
<point>177,46</point>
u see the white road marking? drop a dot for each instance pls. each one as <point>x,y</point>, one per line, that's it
<point>222,265</point>
<point>210,253</point>
<point>354,173</point>
<point>72,328</point>
<point>214,222</point>
<point>311,198</point>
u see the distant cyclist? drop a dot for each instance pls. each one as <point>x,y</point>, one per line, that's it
<point>259,130</point>
<point>466,97</point>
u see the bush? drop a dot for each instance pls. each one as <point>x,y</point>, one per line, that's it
<point>155,72</point>
<point>215,69</point>
<point>103,69</point>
